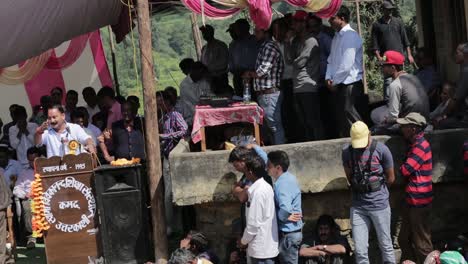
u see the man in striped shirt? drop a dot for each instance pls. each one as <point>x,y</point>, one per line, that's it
<point>415,238</point>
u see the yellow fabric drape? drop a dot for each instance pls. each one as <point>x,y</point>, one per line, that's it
<point>317,5</point>
<point>26,71</point>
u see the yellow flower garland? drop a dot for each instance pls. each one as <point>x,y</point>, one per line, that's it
<point>39,223</point>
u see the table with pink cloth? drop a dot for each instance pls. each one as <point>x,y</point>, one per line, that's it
<point>206,116</point>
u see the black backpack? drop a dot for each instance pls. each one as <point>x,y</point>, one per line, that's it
<point>363,179</point>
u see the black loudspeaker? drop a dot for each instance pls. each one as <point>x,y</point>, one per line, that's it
<point>123,222</point>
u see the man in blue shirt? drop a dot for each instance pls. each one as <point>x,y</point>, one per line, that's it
<point>288,207</point>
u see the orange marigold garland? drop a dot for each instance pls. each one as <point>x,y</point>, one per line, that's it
<point>39,222</point>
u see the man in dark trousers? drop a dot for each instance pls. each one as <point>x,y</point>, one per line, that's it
<point>344,73</point>
<point>415,236</point>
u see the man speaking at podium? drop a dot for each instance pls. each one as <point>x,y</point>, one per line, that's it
<point>60,137</point>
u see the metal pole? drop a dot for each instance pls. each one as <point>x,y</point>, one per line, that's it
<point>114,64</point>
<point>153,156</point>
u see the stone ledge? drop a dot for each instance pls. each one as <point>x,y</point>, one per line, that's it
<point>207,177</point>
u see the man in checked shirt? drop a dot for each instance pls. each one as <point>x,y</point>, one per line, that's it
<point>266,83</point>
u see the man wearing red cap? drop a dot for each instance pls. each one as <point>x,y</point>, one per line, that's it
<point>405,94</point>
<point>304,55</point>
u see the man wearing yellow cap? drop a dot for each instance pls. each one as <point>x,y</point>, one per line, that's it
<point>368,165</point>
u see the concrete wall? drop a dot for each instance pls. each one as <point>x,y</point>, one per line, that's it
<point>207,177</point>
<point>205,180</point>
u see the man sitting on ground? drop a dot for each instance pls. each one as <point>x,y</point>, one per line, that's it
<point>326,245</point>
<point>198,243</point>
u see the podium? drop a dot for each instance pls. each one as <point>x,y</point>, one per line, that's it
<point>70,208</point>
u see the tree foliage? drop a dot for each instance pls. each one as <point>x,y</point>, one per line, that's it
<point>369,13</point>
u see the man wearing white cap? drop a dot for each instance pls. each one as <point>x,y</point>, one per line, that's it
<point>368,165</point>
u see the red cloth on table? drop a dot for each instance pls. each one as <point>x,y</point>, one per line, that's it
<point>209,116</point>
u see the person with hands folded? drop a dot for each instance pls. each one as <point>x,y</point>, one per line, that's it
<point>326,245</point>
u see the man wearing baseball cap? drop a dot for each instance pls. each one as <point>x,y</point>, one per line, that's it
<point>388,33</point>
<point>415,235</point>
<point>405,94</point>
<point>368,165</point>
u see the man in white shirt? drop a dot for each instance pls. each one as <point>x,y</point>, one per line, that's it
<point>344,72</point>
<point>22,135</point>
<point>60,137</point>
<point>261,233</point>
<point>90,97</point>
<point>22,190</point>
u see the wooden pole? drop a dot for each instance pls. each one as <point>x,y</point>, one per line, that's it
<point>153,156</point>
<point>114,63</point>
<point>358,11</point>
<point>196,34</point>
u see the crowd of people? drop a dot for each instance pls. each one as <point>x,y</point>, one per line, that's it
<point>272,217</point>
<point>308,79</point>
<point>108,126</point>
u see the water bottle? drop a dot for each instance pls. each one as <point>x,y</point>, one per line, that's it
<point>246,97</point>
